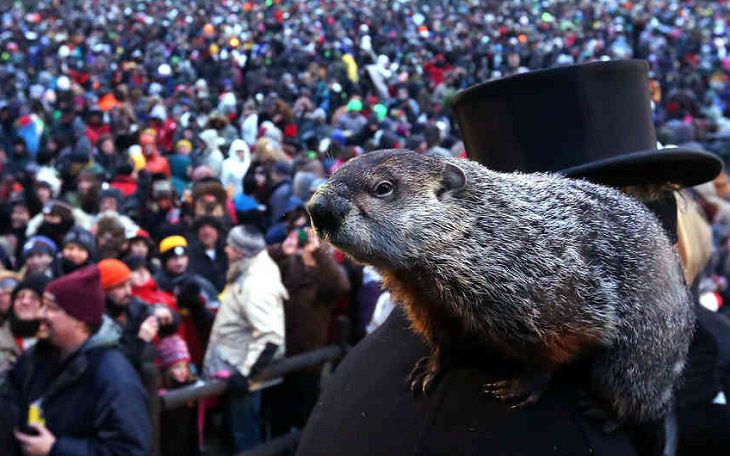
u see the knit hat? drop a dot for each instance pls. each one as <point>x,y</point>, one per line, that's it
<point>39,244</point>
<point>113,273</point>
<point>82,237</point>
<point>79,294</point>
<point>173,246</point>
<point>35,282</point>
<point>172,349</point>
<point>248,239</point>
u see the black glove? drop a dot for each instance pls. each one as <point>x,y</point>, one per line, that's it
<point>188,296</point>
<point>264,359</point>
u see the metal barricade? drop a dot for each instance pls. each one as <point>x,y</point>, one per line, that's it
<point>269,376</point>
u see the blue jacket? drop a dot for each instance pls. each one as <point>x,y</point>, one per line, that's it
<point>93,403</point>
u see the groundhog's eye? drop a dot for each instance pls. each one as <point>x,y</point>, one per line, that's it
<point>383,189</point>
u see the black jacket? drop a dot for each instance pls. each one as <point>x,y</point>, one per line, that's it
<point>137,350</point>
<point>93,403</point>
<point>367,408</point>
<point>201,264</point>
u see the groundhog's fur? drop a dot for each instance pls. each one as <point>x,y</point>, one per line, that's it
<point>541,268</point>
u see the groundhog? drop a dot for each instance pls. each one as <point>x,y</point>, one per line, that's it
<point>539,268</point>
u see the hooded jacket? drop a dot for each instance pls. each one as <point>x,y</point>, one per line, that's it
<point>100,387</point>
<point>234,167</point>
<point>250,317</point>
<point>211,156</point>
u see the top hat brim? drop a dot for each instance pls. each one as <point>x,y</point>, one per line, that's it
<point>676,165</point>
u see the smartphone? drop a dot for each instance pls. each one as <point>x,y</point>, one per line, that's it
<point>302,237</point>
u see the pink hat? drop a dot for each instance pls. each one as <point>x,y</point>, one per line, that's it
<point>172,349</point>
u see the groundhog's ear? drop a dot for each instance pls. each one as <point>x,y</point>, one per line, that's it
<point>452,178</point>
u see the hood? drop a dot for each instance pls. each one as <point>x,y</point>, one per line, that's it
<point>239,144</point>
<point>211,139</point>
<point>108,335</point>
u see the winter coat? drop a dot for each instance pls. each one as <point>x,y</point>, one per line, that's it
<point>203,265</point>
<point>313,293</point>
<point>234,168</point>
<point>368,408</point>
<point>250,317</point>
<point>196,319</point>
<point>93,403</point>
<point>212,157</point>
<point>278,200</point>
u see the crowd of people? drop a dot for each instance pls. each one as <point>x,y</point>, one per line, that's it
<point>163,153</point>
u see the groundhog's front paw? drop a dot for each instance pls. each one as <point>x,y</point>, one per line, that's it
<point>424,376</point>
<point>518,392</point>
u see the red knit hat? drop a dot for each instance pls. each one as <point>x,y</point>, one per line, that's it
<point>172,349</point>
<point>113,272</point>
<point>80,295</point>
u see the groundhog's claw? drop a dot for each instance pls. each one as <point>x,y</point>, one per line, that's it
<point>424,376</point>
<point>518,392</point>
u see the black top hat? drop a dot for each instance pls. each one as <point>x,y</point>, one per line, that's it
<point>590,121</point>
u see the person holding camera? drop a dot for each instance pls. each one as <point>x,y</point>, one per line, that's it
<point>315,283</point>
<point>139,322</point>
<point>248,332</point>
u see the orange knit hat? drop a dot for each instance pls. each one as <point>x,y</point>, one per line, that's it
<point>113,273</point>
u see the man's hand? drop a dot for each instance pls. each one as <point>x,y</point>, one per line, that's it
<point>313,242</point>
<point>164,315</point>
<point>36,445</point>
<point>290,244</point>
<point>148,329</point>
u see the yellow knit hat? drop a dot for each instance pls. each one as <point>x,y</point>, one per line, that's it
<point>171,242</point>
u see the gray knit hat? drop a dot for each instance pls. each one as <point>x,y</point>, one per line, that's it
<point>248,239</point>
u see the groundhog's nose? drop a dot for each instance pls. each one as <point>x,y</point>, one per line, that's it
<point>327,212</point>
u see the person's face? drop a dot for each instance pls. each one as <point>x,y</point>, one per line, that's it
<point>43,194</point>
<point>19,216</point>
<point>208,236</point>
<point>75,253</point>
<point>164,203</point>
<point>107,147</point>
<point>233,254</point>
<point>63,330</point>
<point>121,293</point>
<point>140,277</point>
<point>38,262</point>
<point>83,185</point>
<point>180,371</point>
<point>27,305</point>
<point>177,265</point>
<point>139,248</point>
<point>108,204</point>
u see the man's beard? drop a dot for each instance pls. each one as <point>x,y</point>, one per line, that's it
<point>115,310</point>
<point>23,328</point>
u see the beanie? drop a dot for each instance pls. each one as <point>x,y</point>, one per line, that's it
<point>113,272</point>
<point>172,349</point>
<point>80,295</point>
<point>82,237</point>
<point>173,246</point>
<point>247,239</point>
<point>39,244</point>
<point>35,282</point>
